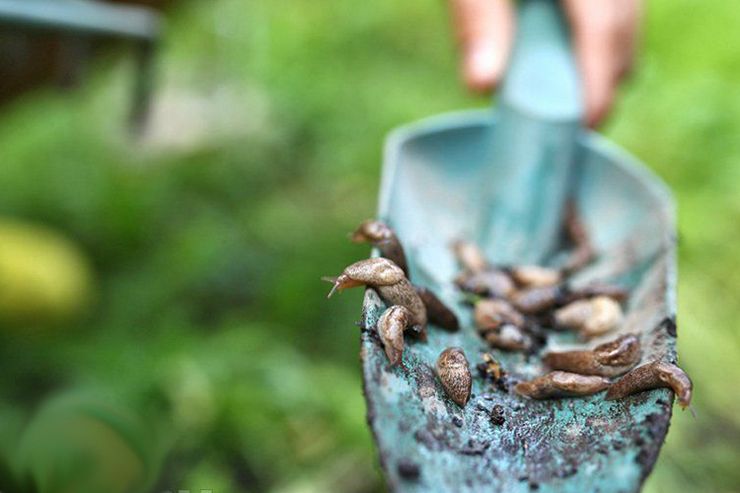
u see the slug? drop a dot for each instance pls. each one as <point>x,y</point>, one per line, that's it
<point>534,276</point>
<point>590,317</point>
<point>657,374</point>
<point>379,235</point>
<point>470,256</point>
<point>594,290</point>
<point>454,374</point>
<point>492,313</point>
<point>610,359</point>
<point>437,312</point>
<point>391,284</point>
<point>559,384</point>
<point>384,238</point>
<point>490,282</point>
<point>509,338</point>
<point>536,300</point>
<point>391,325</point>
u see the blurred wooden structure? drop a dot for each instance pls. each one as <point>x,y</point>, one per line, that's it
<point>51,41</point>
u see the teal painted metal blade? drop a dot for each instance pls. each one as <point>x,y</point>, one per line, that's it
<point>567,445</point>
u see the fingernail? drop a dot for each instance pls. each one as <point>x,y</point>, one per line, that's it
<point>482,68</point>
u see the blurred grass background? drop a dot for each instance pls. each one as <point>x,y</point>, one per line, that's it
<point>171,289</point>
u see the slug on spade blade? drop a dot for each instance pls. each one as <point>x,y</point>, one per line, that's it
<point>454,374</point>
<point>657,374</point>
<point>559,384</point>
<point>610,359</point>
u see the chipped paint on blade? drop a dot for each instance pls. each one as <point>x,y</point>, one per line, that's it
<point>565,445</point>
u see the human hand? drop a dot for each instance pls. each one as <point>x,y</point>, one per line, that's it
<point>604,37</point>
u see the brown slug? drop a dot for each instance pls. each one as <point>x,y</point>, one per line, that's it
<point>492,313</point>
<point>509,338</point>
<point>610,359</point>
<point>657,374</point>
<point>557,384</point>
<point>490,282</point>
<point>389,281</point>
<point>470,256</point>
<point>379,235</point>
<point>590,317</point>
<point>391,326</point>
<point>617,293</point>
<point>454,374</point>
<point>437,312</point>
<point>536,300</point>
<point>534,276</point>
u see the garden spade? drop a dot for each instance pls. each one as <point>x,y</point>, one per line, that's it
<point>501,179</point>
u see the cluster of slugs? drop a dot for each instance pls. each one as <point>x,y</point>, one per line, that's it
<point>511,307</point>
<point>410,307</point>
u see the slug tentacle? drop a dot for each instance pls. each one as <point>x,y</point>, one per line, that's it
<point>391,325</point>
<point>657,374</point>
<point>378,234</point>
<point>559,384</point>
<point>610,359</point>
<point>454,374</point>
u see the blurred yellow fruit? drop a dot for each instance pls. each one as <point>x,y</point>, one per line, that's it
<point>44,277</point>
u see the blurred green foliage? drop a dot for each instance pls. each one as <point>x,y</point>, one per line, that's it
<point>210,330</point>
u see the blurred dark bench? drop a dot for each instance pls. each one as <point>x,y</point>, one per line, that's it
<point>51,40</point>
